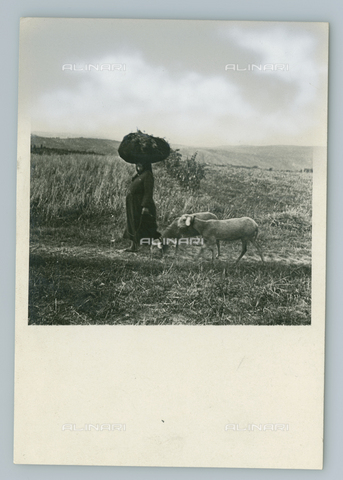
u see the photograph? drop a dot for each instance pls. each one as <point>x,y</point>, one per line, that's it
<point>171,174</point>
<point>171,170</point>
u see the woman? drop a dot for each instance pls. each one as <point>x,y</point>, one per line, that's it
<point>140,207</point>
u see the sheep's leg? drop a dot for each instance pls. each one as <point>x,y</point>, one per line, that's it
<point>210,243</point>
<point>258,247</point>
<point>218,248</point>
<point>206,244</point>
<point>244,249</point>
<point>202,250</point>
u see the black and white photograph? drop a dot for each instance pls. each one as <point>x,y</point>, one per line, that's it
<point>171,243</point>
<point>171,171</point>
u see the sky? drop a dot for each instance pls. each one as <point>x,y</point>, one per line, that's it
<point>180,80</point>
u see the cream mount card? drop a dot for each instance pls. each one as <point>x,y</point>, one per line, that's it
<point>146,148</point>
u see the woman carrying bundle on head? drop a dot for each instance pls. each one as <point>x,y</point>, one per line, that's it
<point>143,150</point>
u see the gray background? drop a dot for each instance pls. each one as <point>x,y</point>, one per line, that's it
<point>292,10</point>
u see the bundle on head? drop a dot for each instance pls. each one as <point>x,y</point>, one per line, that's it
<point>142,148</point>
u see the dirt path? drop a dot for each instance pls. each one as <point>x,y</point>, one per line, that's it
<point>185,255</point>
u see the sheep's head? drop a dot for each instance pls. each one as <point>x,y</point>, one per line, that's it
<point>185,221</point>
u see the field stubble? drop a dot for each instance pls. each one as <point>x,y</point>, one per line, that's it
<point>78,276</point>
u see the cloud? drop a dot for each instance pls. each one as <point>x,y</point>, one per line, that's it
<point>188,106</point>
<point>284,44</point>
<point>141,95</point>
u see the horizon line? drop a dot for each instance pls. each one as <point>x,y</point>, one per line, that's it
<point>70,136</point>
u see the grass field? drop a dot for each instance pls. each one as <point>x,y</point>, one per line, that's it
<point>78,275</point>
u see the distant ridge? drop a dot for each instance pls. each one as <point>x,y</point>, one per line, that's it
<point>79,144</point>
<point>276,157</point>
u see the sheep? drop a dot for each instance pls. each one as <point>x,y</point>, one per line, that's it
<point>174,232</point>
<point>244,229</point>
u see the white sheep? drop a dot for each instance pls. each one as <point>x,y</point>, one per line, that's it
<point>175,231</point>
<point>244,229</point>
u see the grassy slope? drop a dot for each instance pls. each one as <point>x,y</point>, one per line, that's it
<point>277,157</point>
<point>98,145</point>
<point>77,275</point>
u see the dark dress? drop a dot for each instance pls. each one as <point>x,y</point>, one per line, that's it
<point>139,196</point>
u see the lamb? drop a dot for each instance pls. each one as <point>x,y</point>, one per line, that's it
<point>244,229</point>
<point>174,232</point>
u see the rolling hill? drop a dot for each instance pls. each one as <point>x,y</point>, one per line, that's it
<point>94,145</point>
<point>277,157</point>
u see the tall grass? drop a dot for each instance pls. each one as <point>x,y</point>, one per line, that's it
<point>78,209</point>
<point>78,186</point>
<point>74,186</point>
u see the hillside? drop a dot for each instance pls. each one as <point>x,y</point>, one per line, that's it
<point>277,157</point>
<point>80,273</point>
<point>94,145</point>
